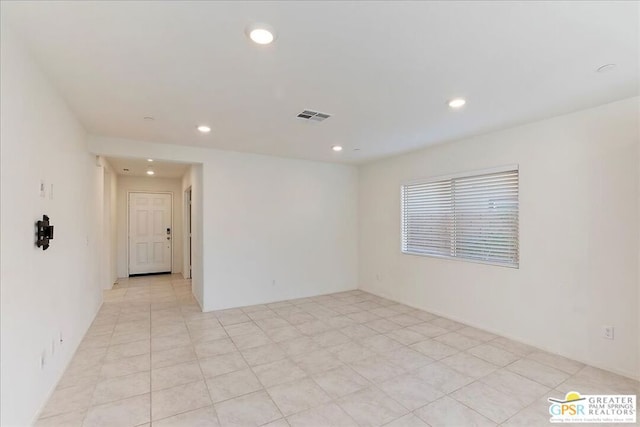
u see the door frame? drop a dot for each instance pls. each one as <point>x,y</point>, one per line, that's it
<point>187,243</point>
<point>108,263</point>
<point>170,193</point>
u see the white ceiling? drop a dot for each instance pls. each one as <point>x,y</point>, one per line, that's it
<point>384,70</point>
<point>139,167</point>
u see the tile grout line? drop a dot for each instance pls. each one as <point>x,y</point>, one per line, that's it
<point>321,312</point>
<point>101,362</point>
<point>204,379</point>
<point>150,367</point>
<point>264,388</point>
<point>193,382</point>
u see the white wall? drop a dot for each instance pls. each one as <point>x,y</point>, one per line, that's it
<point>43,293</point>
<point>277,229</point>
<point>272,228</point>
<point>108,248</point>
<point>578,236</point>
<point>186,183</point>
<point>128,184</point>
<point>193,178</point>
<point>113,228</point>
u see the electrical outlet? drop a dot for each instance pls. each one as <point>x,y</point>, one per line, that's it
<point>607,332</point>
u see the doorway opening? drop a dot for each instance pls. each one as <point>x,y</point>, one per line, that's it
<point>156,218</point>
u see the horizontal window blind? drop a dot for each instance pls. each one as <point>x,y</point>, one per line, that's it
<point>468,217</point>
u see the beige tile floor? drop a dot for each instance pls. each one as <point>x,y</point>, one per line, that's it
<point>346,359</point>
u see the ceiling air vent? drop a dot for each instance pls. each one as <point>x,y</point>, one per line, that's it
<point>313,115</point>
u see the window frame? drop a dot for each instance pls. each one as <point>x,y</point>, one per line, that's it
<point>468,174</point>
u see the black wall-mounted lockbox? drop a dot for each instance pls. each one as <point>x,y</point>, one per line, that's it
<point>44,233</point>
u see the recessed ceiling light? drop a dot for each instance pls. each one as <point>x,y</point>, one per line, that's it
<point>149,118</point>
<point>604,68</point>
<point>261,33</point>
<point>336,148</point>
<point>150,172</point>
<point>204,129</point>
<point>149,160</point>
<point>457,103</point>
<point>261,36</point>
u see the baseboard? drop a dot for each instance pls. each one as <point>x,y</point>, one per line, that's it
<point>197,300</point>
<point>269,301</point>
<point>630,375</point>
<point>66,366</point>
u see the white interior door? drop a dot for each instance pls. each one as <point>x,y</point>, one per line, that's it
<point>150,233</point>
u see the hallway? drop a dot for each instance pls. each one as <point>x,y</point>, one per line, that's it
<point>343,359</point>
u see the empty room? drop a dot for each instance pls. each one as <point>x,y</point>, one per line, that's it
<point>319,213</point>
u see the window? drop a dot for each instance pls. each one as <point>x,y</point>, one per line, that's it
<point>472,217</point>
